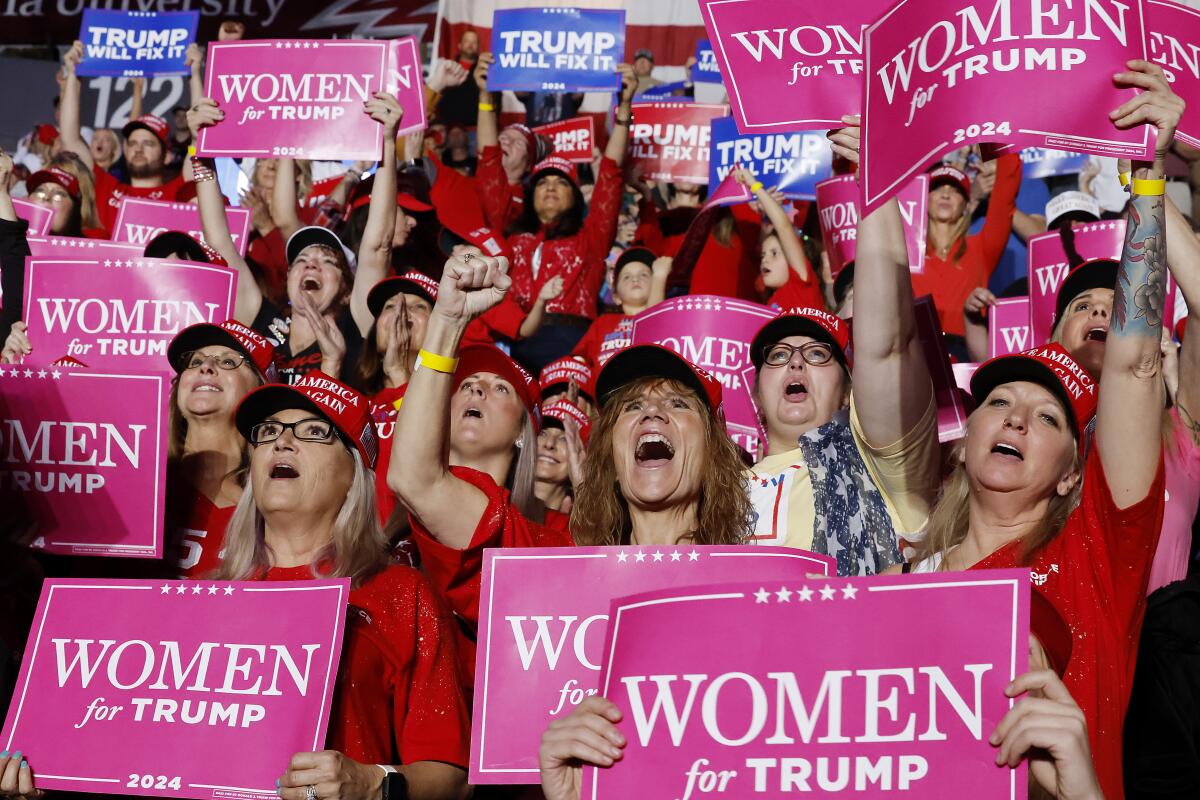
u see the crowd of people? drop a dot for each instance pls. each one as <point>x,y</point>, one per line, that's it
<point>469,302</point>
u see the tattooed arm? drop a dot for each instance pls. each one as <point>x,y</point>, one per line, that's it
<point>1129,418</point>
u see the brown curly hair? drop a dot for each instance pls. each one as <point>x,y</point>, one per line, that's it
<point>600,515</point>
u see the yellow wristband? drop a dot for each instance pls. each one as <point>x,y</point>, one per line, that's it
<point>1155,187</point>
<point>1123,177</point>
<point>437,363</point>
<point>486,107</point>
<point>754,187</point>
<point>191,149</point>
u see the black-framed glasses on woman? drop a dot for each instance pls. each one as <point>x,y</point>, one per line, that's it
<point>310,429</point>
<point>194,359</point>
<point>814,354</point>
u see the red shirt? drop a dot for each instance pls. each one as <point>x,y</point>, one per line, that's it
<point>579,260</point>
<point>397,700</point>
<point>1094,573</point>
<point>502,202</point>
<point>455,573</point>
<point>797,293</point>
<point>605,337</point>
<point>195,530</point>
<point>109,192</point>
<point>502,321</point>
<point>951,283</point>
<point>383,412</point>
<point>558,521</point>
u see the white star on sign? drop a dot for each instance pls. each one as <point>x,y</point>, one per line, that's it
<point>848,592</point>
<point>41,373</point>
<point>658,556</point>
<point>676,556</point>
<point>28,373</point>
<point>640,557</point>
<point>762,596</point>
<point>1,373</point>
<point>212,590</point>
<point>827,592</point>
<point>196,589</point>
<point>693,556</point>
<point>180,589</point>
<point>805,594</point>
<point>622,557</point>
<point>166,589</point>
<point>784,595</point>
<point>228,590</point>
<point>56,374</point>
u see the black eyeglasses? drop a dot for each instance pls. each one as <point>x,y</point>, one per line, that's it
<point>780,354</point>
<point>311,429</point>
<point>194,359</point>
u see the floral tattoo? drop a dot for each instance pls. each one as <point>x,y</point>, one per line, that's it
<point>1142,280</point>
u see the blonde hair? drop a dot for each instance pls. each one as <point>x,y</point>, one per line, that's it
<point>522,475</point>
<point>600,514</point>
<point>357,547</point>
<point>950,519</point>
<point>89,217</point>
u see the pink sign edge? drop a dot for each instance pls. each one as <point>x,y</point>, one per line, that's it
<point>129,201</point>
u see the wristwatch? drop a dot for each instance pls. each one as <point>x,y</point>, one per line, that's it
<point>395,786</point>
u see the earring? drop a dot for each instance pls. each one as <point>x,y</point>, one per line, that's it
<point>520,444</point>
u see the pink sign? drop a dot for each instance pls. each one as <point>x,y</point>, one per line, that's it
<point>837,210</point>
<point>405,81</point>
<point>120,314</point>
<point>1008,327</point>
<point>670,141</point>
<point>38,216</point>
<point>573,139</point>
<point>728,193</point>
<point>942,76</point>
<point>790,66</point>
<point>72,247</point>
<point>963,373</point>
<point>303,98</point>
<point>139,221</point>
<point>542,622</point>
<point>714,333</point>
<point>821,686</point>
<point>84,458</point>
<point>176,688</point>
<point>1173,30</point>
<point>1048,267</point>
<point>951,410</point>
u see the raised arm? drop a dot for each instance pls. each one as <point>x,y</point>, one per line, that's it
<point>1129,417</point>
<point>137,92</point>
<point>618,140</point>
<point>375,248</point>
<point>785,231</point>
<point>892,387</point>
<point>1002,204</point>
<point>212,216</point>
<point>283,198</point>
<point>448,507</point>
<point>68,106</point>
<point>487,130</point>
<point>194,61</point>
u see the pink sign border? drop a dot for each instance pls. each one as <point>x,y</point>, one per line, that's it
<point>127,202</point>
<point>44,216</point>
<point>49,782</point>
<point>994,327</point>
<point>871,201</point>
<point>411,43</point>
<point>877,583</point>
<point>213,52</point>
<point>479,728</point>
<point>1190,139</point>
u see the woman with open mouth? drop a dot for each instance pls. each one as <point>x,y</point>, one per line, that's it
<point>1031,489</point>
<point>329,316</point>
<point>308,511</point>
<point>215,367</point>
<point>848,471</point>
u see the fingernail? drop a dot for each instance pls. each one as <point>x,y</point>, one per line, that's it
<point>24,764</point>
<point>16,754</point>
<point>4,754</point>
<point>277,782</point>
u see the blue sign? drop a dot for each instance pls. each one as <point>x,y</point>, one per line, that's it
<point>557,49</point>
<point>664,93</point>
<point>1038,162</point>
<point>792,162</point>
<point>705,69</point>
<point>136,43</point>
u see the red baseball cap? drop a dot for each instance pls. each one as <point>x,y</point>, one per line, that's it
<point>808,321</point>
<point>149,122</point>
<point>485,358</point>
<point>656,361</point>
<point>47,134</point>
<point>1050,366</point>
<point>559,165</point>
<point>559,410</point>
<point>487,240</point>
<point>411,282</point>
<point>349,411</point>
<point>944,173</point>
<point>231,334</point>
<point>538,146</point>
<point>53,175</point>
<point>565,370</point>
<point>67,361</point>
